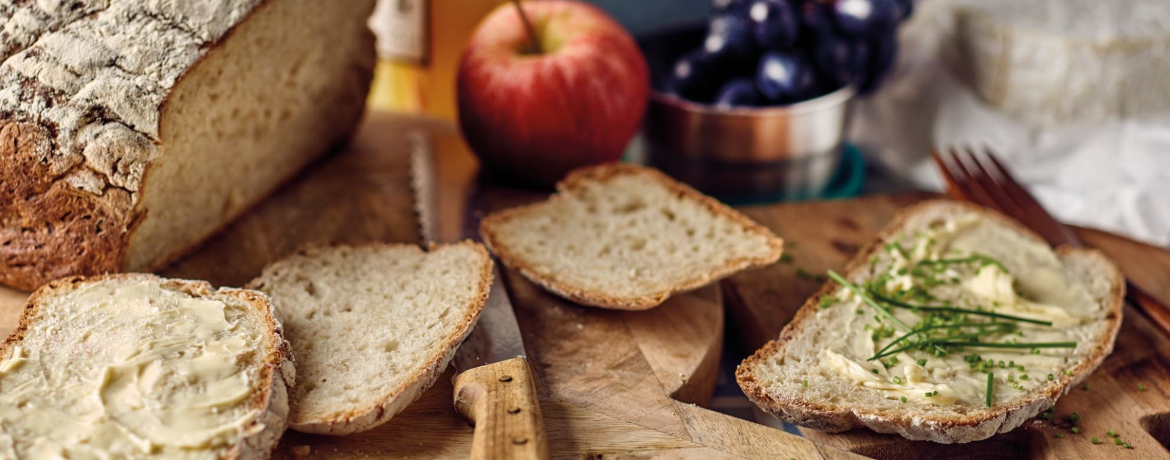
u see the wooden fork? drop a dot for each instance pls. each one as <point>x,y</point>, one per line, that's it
<point>976,175</point>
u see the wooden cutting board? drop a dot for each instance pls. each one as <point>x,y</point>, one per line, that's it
<point>612,384</point>
<point>825,235</point>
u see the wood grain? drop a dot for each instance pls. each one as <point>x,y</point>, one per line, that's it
<point>605,378</point>
<point>499,399</point>
<point>827,234</point>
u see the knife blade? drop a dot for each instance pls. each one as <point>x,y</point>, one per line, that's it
<point>494,388</point>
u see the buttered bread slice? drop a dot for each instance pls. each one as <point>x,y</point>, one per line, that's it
<point>137,366</point>
<point>957,324</point>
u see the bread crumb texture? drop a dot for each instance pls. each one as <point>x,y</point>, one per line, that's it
<point>627,237</point>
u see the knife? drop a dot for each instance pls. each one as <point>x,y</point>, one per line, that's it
<point>494,388</point>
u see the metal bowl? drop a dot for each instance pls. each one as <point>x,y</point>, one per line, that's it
<point>744,153</point>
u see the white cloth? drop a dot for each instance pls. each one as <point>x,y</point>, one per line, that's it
<point>1112,176</point>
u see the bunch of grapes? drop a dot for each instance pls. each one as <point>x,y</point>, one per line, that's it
<point>773,52</point>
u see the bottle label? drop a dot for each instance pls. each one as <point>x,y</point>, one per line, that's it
<point>401,29</point>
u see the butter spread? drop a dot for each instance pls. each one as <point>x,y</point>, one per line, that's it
<point>139,371</point>
<point>967,263</point>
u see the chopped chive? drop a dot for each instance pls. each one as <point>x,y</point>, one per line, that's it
<point>1060,435</point>
<point>1127,446</point>
<point>1051,377</point>
<point>804,383</point>
<point>786,257</point>
<point>922,363</point>
<point>874,370</point>
<point>1141,387</point>
<point>969,311</point>
<point>990,387</point>
<point>1111,434</point>
<point>1075,430</point>
<point>1074,417</point>
<point>1118,441</point>
<point>800,273</point>
<point>1094,440</point>
<point>897,379</point>
<point>903,399</point>
<point>1067,372</point>
<point>974,257</point>
<point>1086,387</point>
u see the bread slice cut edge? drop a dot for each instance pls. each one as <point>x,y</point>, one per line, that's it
<point>278,372</point>
<point>571,184</point>
<point>382,409</point>
<point>971,427</point>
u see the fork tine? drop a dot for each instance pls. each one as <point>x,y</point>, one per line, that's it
<point>986,180</point>
<point>954,187</point>
<point>974,186</point>
<point>1028,204</point>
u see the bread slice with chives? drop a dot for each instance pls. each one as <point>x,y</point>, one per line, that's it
<point>981,282</point>
<point>372,325</point>
<point>626,237</point>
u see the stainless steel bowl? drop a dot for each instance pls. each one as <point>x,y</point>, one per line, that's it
<point>749,153</point>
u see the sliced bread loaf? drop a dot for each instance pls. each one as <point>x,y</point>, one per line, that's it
<point>626,237</point>
<point>132,130</point>
<point>137,366</point>
<point>847,359</point>
<point>372,326</point>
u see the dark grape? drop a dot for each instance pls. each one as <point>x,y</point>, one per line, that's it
<point>861,18</point>
<point>815,17</point>
<point>833,59</point>
<point>905,9</point>
<point>737,93</point>
<point>693,76</point>
<point>774,23</point>
<point>729,38</point>
<point>881,59</point>
<point>785,77</point>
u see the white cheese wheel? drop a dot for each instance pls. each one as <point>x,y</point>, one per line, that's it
<point>1056,61</point>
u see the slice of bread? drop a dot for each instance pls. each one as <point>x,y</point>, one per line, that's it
<point>136,366</point>
<point>372,326</point>
<point>626,237</point>
<point>813,376</point>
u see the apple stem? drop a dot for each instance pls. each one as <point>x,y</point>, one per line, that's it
<point>528,28</point>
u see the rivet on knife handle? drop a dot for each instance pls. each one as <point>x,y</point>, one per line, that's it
<point>500,400</point>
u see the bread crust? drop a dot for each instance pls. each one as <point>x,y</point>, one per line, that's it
<point>277,372</point>
<point>574,182</point>
<point>381,410</point>
<point>50,228</point>
<point>975,426</point>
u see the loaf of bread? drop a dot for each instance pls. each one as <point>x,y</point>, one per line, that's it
<point>956,324</point>
<point>137,366</point>
<point>132,130</point>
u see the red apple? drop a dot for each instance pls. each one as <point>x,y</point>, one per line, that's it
<point>534,116</point>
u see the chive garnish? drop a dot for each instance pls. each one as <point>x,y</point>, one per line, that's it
<point>1111,434</point>
<point>804,383</point>
<point>1094,440</point>
<point>975,257</point>
<point>1075,430</point>
<point>1141,387</point>
<point>990,387</point>
<point>922,362</point>
<point>969,311</point>
<point>903,399</point>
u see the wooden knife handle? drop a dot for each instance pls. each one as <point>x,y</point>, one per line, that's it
<point>500,400</point>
